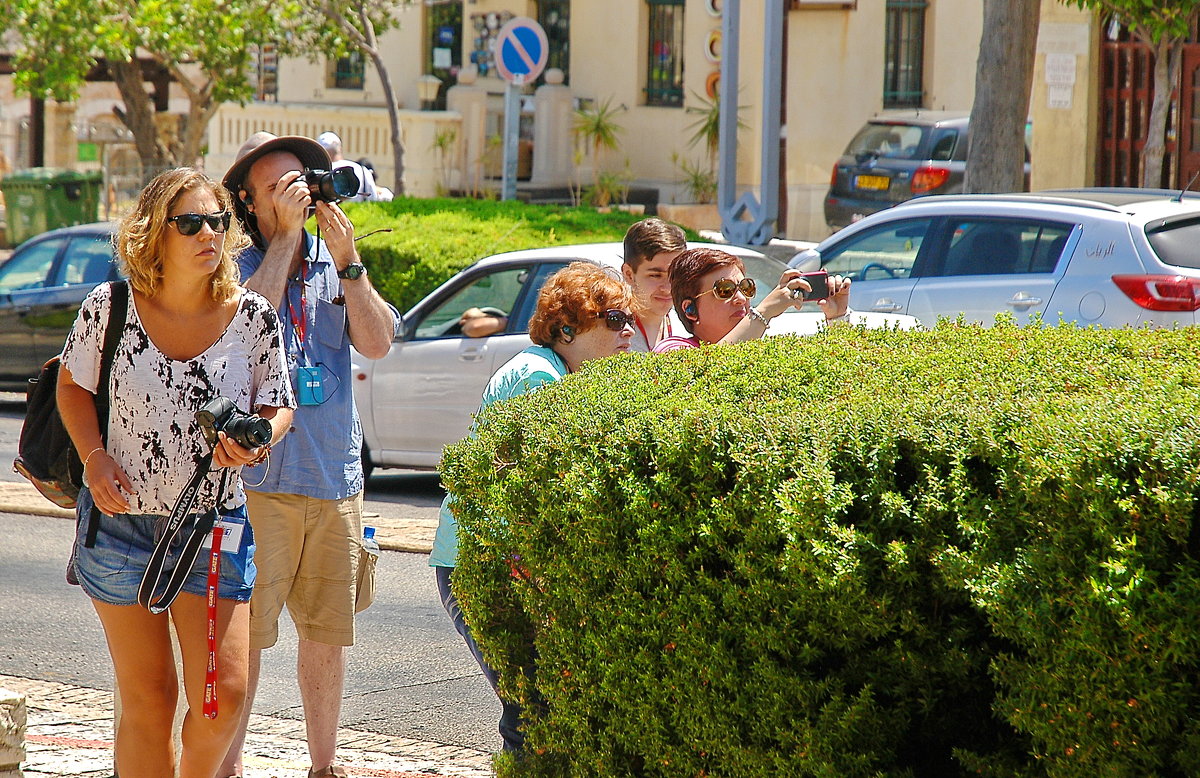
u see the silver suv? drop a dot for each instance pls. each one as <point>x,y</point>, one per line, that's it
<point>1111,257</point>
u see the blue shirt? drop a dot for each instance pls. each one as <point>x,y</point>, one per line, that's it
<point>533,367</point>
<point>321,456</point>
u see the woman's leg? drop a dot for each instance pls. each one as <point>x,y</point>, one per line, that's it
<point>140,645</point>
<point>206,741</point>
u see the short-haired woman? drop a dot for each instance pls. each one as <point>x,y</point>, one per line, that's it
<point>191,334</point>
<point>583,313</point>
<point>712,294</point>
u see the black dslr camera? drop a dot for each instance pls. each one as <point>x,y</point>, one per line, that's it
<point>331,186</point>
<point>248,430</point>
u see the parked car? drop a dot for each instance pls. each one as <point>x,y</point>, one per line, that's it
<point>420,397</point>
<point>1109,257</point>
<point>41,287</point>
<point>896,157</point>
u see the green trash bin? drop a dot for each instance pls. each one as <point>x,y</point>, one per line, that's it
<point>42,198</point>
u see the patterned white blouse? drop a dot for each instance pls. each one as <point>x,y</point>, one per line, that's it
<point>153,434</point>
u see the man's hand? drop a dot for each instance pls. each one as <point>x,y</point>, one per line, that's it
<point>338,234</point>
<point>291,199</point>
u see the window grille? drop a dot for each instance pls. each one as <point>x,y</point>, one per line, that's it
<point>904,54</point>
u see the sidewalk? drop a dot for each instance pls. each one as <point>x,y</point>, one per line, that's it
<point>69,733</point>
<point>70,728</point>
<point>394,533</point>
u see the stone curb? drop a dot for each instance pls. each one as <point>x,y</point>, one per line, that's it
<point>394,534</point>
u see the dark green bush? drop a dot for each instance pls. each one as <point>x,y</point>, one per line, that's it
<point>965,551</point>
<point>432,239</point>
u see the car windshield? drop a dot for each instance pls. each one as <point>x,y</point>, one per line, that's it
<point>1175,242</point>
<point>893,141</point>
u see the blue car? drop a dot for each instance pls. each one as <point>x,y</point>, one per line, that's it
<point>41,287</point>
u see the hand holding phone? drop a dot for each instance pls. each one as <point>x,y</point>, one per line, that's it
<point>819,281</point>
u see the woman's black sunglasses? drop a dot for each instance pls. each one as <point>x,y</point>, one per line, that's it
<point>190,223</point>
<point>616,320</point>
<point>723,288</point>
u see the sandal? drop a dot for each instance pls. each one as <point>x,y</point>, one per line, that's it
<point>332,771</point>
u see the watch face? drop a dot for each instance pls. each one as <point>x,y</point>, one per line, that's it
<point>352,272</point>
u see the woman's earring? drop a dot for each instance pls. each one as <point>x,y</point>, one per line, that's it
<point>689,309</point>
<point>568,333</point>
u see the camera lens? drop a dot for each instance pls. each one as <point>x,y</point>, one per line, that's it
<point>249,431</point>
<point>344,182</point>
<point>332,186</point>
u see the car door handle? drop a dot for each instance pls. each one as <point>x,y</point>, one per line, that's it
<point>1022,301</point>
<point>887,305</point>
<point>471,354</point>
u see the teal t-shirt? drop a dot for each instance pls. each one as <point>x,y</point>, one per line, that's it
<point>533,367</point>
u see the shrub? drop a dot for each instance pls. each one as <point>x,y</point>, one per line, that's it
<point>432,239</point>
<point>964,551</point>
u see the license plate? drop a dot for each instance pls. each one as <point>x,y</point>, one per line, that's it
<point>874,183</point>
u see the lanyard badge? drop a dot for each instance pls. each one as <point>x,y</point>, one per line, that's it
<point>310,388</point>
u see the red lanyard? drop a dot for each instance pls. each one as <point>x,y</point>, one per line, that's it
<point>298,321</point>
<point>666,325</point>
<point>214,582</point>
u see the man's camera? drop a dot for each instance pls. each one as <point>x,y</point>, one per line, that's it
<point>331,185</point>
<point>248,430</point>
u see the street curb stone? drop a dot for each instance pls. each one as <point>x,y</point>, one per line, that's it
<point>411,535</point>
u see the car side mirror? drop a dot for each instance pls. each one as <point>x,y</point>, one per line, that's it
<point>806,261</point>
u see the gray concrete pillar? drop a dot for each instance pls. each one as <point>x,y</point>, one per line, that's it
<point>470,101</point>
<point>552,131</point>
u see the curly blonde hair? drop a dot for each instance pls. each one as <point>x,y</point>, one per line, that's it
<point>142,233</point>
<point>575,297</point>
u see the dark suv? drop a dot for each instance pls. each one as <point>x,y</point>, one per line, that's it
<point>896,157</point>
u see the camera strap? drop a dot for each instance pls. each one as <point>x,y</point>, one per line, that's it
<point>179,528</point>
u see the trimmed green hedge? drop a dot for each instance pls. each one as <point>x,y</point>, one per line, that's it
<point>432,239</point>
<point>964,551</point>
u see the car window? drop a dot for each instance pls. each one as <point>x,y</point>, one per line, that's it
<point>1175,242</point>
<point>88,261</point>
<point>894,141</point>
<point>991,247</point>
<point>495,293</point>
<point>943,144</point>
<point>886,252</point>
<point>28,269</point>
<point>766,272</point>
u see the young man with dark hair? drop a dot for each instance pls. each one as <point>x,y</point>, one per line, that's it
<point>650,245</point>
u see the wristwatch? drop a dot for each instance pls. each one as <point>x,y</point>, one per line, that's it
<point>353,271</point>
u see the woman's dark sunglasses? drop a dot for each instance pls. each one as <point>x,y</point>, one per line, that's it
<point>616,320</point>
<point>724,288</point>
<point>190,223</point>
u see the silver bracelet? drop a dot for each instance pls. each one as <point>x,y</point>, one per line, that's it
<point>754,315</point>
<point>88,458</point>
<point>843,317</point>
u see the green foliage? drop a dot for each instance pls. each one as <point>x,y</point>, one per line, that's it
<point>1150,21</point>
<point>597,127</point>
<point>700,182</point>
<point>707,129</point>
<point>432,239</point>
<point>863,553</point>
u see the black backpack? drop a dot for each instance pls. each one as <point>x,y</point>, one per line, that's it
<point>45,454</point>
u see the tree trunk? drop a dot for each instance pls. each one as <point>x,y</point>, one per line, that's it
<point>1003,80</point>
<point>1168,53</point>
<point>385,81</point>
<point>138,116</point>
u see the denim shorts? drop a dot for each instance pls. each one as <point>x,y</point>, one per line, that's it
<point>111,570</point>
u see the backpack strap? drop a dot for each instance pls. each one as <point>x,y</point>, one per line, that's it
<point>118,311</point>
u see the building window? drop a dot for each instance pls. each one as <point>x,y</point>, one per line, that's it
<point>664,53</point>
<point>904,54</point>
<point>443,34</point>
<point>347,72</point>
<point>555,18</point>
<point>264,72</point>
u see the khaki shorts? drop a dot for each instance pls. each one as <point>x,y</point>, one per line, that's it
<point>307,559</point>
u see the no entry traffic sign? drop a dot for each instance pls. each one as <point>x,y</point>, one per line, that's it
<point>521,50</point>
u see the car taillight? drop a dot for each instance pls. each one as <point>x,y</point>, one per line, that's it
<point>928,178</point>
<point>1161,293</point>
<point>833,177</point>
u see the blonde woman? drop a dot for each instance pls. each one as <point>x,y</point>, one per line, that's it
<point>192,334</point>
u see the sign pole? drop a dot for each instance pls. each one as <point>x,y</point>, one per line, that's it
<point>512,119</point>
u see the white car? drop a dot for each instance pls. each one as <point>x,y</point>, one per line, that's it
<point>421,396</point>
<point>1109,257</point>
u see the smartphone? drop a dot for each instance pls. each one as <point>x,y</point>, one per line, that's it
<point>819,281</point>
